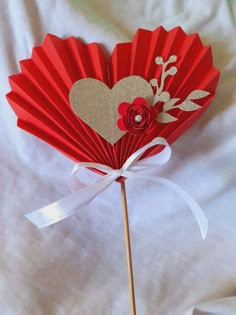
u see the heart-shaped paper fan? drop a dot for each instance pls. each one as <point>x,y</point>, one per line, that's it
<point>53,103</point>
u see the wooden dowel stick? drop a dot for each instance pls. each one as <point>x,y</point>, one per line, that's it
<point>128,250</point>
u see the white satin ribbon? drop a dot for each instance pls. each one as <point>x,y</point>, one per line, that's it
<point>133,168</point>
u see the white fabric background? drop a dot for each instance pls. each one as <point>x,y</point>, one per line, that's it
<point>78,266</point>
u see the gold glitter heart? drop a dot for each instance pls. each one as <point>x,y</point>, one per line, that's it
<point>97,105</point>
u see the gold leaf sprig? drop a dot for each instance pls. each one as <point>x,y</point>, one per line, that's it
<point>187,105</point>
<point>163,96</point>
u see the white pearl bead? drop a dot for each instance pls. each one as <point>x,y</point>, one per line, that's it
<point>138,118</point>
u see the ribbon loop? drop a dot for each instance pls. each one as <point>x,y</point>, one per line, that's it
<point>133,168</point>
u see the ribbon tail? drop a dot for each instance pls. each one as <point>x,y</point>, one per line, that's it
<point>192,204</point>
<point>197,211</point>
<point>68,205</point>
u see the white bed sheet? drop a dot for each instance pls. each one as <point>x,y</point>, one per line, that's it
<point>78,266</point>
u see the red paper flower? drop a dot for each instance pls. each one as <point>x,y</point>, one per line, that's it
<point>137,117</point>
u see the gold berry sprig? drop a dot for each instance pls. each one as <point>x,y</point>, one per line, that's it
<point>163,96</point>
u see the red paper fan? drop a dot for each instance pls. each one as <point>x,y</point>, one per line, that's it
<point>40,93</point>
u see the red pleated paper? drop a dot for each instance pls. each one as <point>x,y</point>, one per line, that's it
<point>40,92</point>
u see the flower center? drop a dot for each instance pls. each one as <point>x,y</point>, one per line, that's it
<point>138,118</point>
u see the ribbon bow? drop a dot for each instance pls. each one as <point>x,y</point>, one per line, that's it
<point>133,168</point>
